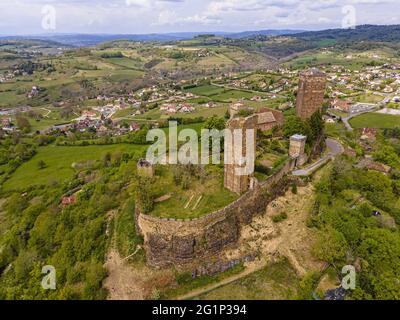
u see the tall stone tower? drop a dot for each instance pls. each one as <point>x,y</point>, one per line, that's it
<point>234,182</point>
<point>297,148</point>
<point>310,96</point>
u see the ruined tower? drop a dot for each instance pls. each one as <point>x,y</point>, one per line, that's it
<point>310,96</point>
<point>239,183</point>
<point>297,148</point>
<point>145,168</point>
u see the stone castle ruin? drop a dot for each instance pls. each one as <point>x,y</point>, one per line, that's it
<point>145,168</point>
<point>176,242</point>
<point>267,118</point>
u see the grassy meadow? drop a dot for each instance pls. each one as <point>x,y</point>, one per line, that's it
<point>59,164</point>
<point>375,120</point>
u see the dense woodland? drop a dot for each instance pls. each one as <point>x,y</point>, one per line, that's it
<point>351,234</point>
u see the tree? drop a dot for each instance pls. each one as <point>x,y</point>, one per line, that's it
<point>215,123</point>
<point>387,154</point>
<point>23,123</point>
<point>293,125</point>
<point>144,195</point>
<point>331,246</point>
<point>41,164</point>
<point>316,126</point>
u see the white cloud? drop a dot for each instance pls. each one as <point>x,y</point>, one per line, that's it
<point>145,16</point>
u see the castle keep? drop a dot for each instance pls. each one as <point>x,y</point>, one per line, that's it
<point>172,241</point>
<point>234,182</point>
<point>310,96</point>
<point>297,149</point>
<point>145,168</point>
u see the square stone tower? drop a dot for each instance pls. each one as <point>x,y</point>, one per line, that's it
<point>234,182</point>
<point>297,148</point>
<point>310,96</point>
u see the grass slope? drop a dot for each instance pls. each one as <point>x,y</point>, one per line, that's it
<point>59,162</point>
<point>375,120</point>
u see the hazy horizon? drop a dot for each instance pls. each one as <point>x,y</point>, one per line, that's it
<point>150,33</point>
<point>33,17</point>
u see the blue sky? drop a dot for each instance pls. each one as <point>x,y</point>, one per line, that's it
<point>148,16</point>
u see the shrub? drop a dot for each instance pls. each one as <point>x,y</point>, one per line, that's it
<point>280,217</point>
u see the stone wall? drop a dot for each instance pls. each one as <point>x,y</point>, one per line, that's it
<point>177,242</point>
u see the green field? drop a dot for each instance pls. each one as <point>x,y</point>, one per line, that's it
<point>59,162</point>
<point>375,120</point>
<point>221,94</point>
<point>350,59</point>
<point>125,63</point>
<point>206,90</point>
<point>10,98</point>
<point>368,98</point>
<point>202,196</point>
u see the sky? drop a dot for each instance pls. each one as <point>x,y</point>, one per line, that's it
<point>163,16</point>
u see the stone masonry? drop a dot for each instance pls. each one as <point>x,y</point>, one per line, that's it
<point>297,148</point>
<point>310,95</point>
<point>233,181</point>
<point>179,242</point>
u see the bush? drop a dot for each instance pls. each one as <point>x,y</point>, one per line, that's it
<point>41,164</point>
<point>280,217</point>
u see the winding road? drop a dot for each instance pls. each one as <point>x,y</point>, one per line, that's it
<point>335,148</point>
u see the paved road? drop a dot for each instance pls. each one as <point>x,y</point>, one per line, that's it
<point>387,98</point>
<point>335,148</point>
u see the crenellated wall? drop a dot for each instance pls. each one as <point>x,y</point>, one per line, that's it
<point>176,242</point>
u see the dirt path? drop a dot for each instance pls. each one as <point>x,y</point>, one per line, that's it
<point>129,280</point>
<point>250,268</point>
<point>123,283</point>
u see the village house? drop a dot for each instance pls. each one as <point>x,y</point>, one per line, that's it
<point>33,93</point>
<point>67,201</point>
<point>380,167</point>
<point>368,134</point>
<point>134,126</point>
<point>269,118</point>
<point>186,108</point>
<point>256,98</point>
<point>328,119</point>
<point>341,105</point>
<point>369,164</point>
<point>170,108</point>
<point>102,130</point>
<point>87,114</point>
<point>6,122</point>
<point>350,152</point>
<point>210,104</point>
